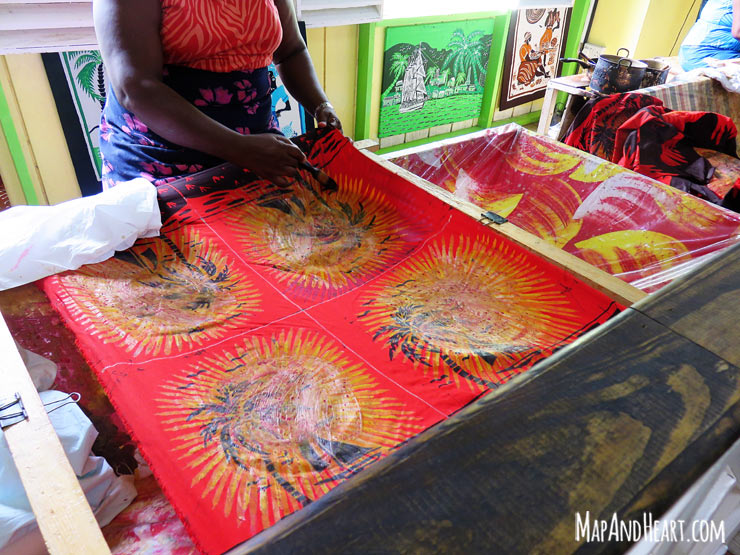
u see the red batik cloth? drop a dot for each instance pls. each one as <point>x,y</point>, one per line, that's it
<point>274,341</point>
<point>637,132</point>
<point>636,228</point>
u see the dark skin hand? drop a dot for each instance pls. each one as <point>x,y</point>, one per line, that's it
<point>128,34</point>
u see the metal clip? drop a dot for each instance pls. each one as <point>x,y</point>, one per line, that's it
<point>73,397</point>
<point>488,218</point>
<point>11,411</point>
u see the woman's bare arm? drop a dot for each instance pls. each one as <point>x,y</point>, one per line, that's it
<point>128,34</point>
<point>297,72</point>
<point>736,19</point>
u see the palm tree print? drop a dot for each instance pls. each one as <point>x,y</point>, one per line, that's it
<point>277,421</point>
<point>473,309</point>
<point>91,75</point>
<point>321,240</point>
<point>164,295</point>
<point>468,53</point>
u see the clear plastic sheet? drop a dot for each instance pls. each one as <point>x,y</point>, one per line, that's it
<point>629,225</point>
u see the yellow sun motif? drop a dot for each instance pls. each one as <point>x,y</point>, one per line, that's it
<point>162,295</point>
<point>277,422</point>
<point>473,309</point>
<point>322,238</point>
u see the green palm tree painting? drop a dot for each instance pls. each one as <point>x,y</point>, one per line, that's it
<point>90,75</point>
<point>399,62</point>
<point>85,76</point>
<point>455,59</point>
<point>467,55</point>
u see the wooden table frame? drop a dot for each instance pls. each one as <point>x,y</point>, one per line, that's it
<point>63,514</point>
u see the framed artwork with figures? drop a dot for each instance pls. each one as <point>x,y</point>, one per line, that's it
<point>533,49</point>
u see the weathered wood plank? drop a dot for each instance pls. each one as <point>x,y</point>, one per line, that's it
<point>611,286</point>
<point>63,514</point>
<point>704,306</point>
<point>602,426</point>
<point>367,144</point>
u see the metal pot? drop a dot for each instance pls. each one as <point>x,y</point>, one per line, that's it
<point>613,74</point>
<point>655,74</point>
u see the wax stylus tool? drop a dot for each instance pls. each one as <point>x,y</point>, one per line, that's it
<point>326,182</point>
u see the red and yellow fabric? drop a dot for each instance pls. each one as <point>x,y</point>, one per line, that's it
<point>220,36</point>
<point>274,341</point>
<point>637,132</point>
<point>629,225</point>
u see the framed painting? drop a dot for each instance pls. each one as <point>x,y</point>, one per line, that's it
<point>77,81</point>
<point>532,57</point>
<point>433,74</point>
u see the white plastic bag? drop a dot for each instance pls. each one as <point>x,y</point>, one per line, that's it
<point>38,241</point>
<point>43,372</point>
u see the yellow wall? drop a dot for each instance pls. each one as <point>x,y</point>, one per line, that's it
<point>334,54</point>
<point>38,127</point>
<point>618,24</point>
<point>647,28</point>
<point>666,25</point>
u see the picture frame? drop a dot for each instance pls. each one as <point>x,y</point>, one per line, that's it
<point>434,74</point>
<point>534,46</point>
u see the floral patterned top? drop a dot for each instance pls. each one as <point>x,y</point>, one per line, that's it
<point>220,35</point>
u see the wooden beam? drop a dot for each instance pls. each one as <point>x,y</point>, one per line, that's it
<point>705,315</point>
<point>35,16</point>
<point>367,144</point>
<point>611,286</point>
<point>64,517</point>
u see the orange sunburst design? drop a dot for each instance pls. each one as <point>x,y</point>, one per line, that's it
<point>162,295</point>
<point>322,238</point>
<point>277,422</point>
<point>475,307</point>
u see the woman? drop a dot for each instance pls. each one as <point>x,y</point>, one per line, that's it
<point>714,35</point>
<point>190,87</point>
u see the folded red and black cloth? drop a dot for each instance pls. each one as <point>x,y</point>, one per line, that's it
<point>638,132</point>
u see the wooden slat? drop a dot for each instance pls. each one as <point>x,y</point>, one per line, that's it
<point>45,26</point>
<point>623,421</point>
<point>613,287</point>
<point>367,144</point>
<point>45,16</point>
<point>27,2</point>
<point>47,40</point>
<point>62,512</point>
<point>336,17</point>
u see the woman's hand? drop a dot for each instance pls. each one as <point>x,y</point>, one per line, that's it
<point>326,116</point>
<point>270,156</point>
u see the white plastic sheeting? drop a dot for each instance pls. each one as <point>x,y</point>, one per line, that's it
<point>38,241</point>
